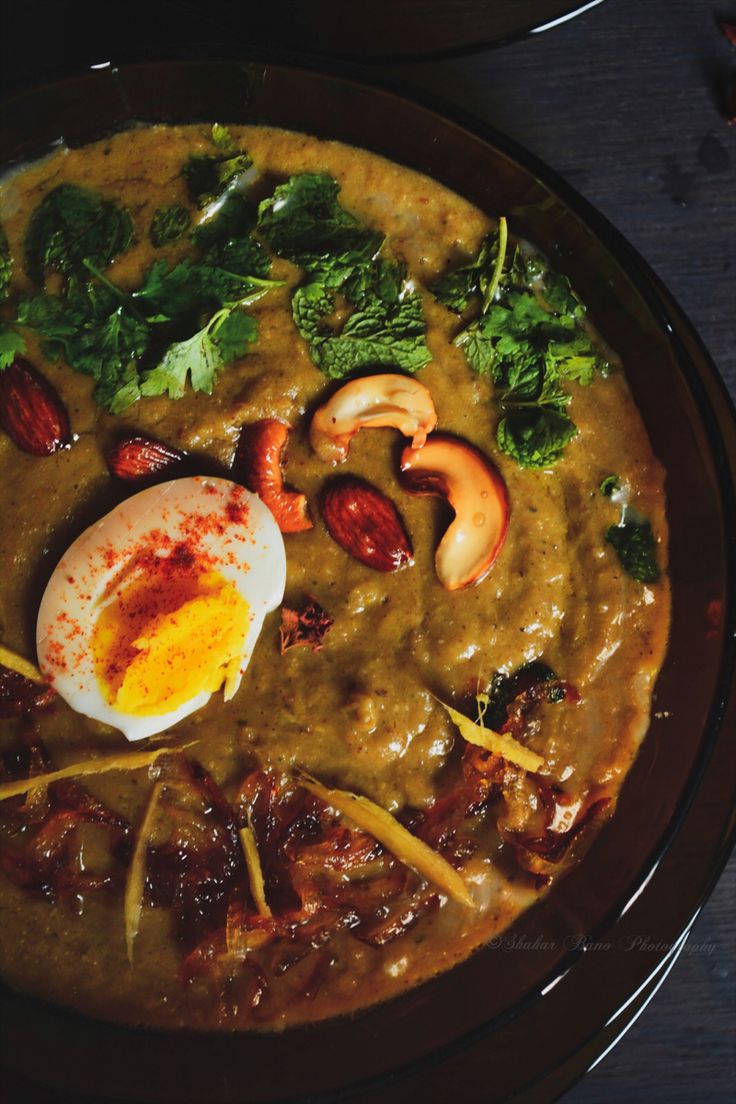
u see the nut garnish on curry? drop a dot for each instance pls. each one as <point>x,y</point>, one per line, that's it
<point>323,485</point>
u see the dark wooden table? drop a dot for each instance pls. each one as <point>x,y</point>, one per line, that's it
<point>624,102</point>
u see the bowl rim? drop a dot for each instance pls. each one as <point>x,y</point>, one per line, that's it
<point>673,323</point>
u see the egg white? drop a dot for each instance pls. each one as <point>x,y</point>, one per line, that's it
<point>250,555</point>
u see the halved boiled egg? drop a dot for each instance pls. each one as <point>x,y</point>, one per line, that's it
<point>159,604</point>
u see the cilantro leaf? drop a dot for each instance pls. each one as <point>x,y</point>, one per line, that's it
<point>169,224</point>
<point>117,391</point>
<point>207,175</point>
<point>235,335</point>
<point>169,293</point>
<point>529,337</point>
<point>455,288</point>
<point>558,294</point>
<point>11,345</point>
<point>97,336</point>
<point>635,546</point>
<point>303,222</point>
<point>227,335</point>
<point>72,225</point>
<point>6,265</point>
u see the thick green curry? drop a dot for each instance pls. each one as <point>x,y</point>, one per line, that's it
<point>350,922</point>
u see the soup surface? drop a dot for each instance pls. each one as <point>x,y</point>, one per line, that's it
<point>149,874</point>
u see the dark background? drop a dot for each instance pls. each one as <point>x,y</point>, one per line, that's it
<point>626,102</point>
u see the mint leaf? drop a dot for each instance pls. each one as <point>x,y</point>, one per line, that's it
<point>235,218</point>
<point>303,222</point>
<point>381,281</point>
<point>535,437</point>
<point>379,335</point>
<point>226,239</point>
<point>169,224</point>
<point>72,225</point>
<point>635,546</point>
<point>309,304</point>
<point>207,175</point>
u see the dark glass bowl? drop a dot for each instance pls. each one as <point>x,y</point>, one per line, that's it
<point>529,1006</point>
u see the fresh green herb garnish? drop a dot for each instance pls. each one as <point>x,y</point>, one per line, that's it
<point>379,335</point>
<point>73,225</point>
<point>98,336</point>
<point>527,336</point>
<point>304,223</point>
<point>184,322</point>
<point>608,485</point>
<point>635,547</point>
<point>228,335</point>
<point>128,342</point>
<point>11,345</point>
<point>207,175</point>
<point>169,224</point>
<point>226,239</point>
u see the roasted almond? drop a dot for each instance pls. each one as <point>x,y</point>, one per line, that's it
<point>259,466</point>
<point>366,524</point>
<point>139,458</point>
<point>31,412</point>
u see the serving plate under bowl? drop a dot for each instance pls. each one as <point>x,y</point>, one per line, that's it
<point>531,1001</point>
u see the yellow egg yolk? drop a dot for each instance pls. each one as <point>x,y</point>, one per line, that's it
<point>163,639</point>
